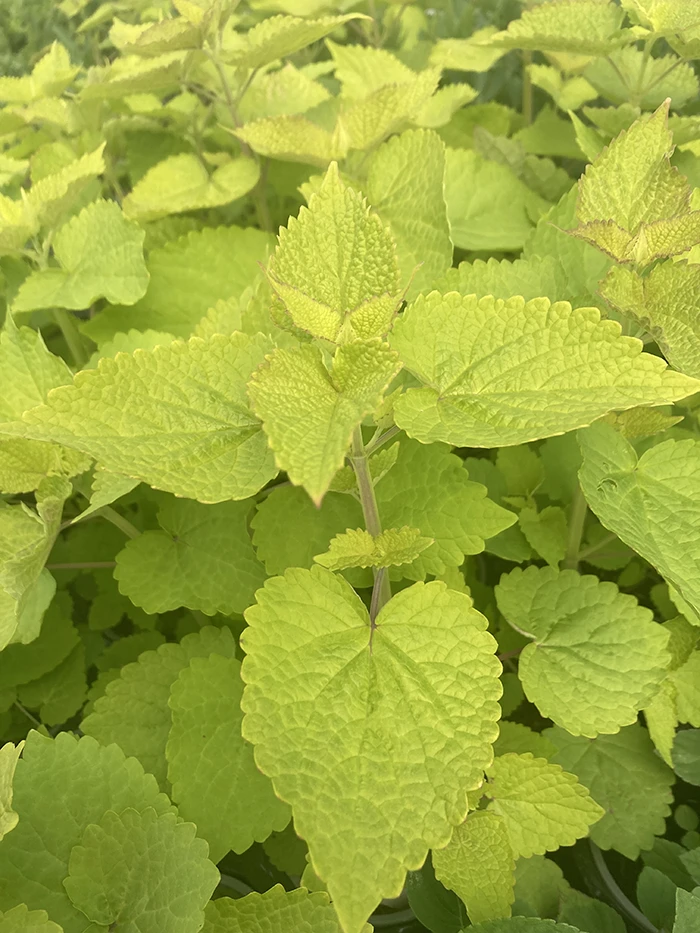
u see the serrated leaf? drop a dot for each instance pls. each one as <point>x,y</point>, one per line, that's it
<point>626,778</point>
<point>515,737</point>
<point>27,370</point>
<point>597,657</point>
<point>543,806</point>
<point>405,185</point>
<point>650,502</point>
<point>586,27</point>
<point>132,74</point>
<point>446,101</point>
<point>320,636</point>
<point>478,865</point>
<point>215,782</point>
<point>182,183</point>
<point>9,755</point>
<point>279,36</point>
<point>471,54</point>
<point>134,711</point>
<point>546,531</point>
<point>666,304</point>
<point>654,79</point>
<point>50,76</point>
<point>61,786</point>
<point>362,69</point>
<point>284,92</point>
<point>482,388</point>
<point>178,294</point>
<point>539,887</point>
<point>100,255</point>
<point>202,559</point>
<point>274,910</point>
<point>357,548</point>
<point>53,196</point>
<point>106,488</point>
<point>309,413</point>
<point>335,267</point>
<point>141,871</point>
<point>22,920</point>
<point>536,277</point>
<point>523,925</point>
<point>589,914</point>
<point>147,39</point>
<point>687,911</point>
<point>175,417</point>
<point>292,138</point>
<point>632,203</point>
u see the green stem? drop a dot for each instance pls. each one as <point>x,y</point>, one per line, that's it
<point>259,194</point>
<point>577,521</point>
<point>83,565</point>
<point>131,531</point>
<point>71,335</point>
<point>30,716</point>
<point>380,439</point>
<point>381,593</point>
<point>586,552</point>
<point>527,88</point>
<point>617,894</point>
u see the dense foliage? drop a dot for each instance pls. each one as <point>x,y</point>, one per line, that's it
<point>350,574</point>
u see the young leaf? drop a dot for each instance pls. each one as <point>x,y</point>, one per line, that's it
<point>499,373</point>
<point>202,559</point>
<point>405,185</point>
<point>357,548</point>
<point>134,711</point>
<point>9,755</point>
<point>100,255</point>
<point>276,909</point>
<point>214,779</point>
<point>141,870</point>
<point>49,78</point>
<point>362,69</point>
<point>650,502</point>
<point>586,27</point>
<point>335,267</point>
<point>352,682</point>
<point>106,488</point>
<point>182,183</point>
<point>626,778</point>
<point>546,531</point>
<point>478,866</point>
<point>279,36</point>
<point>131,74</point>
<point>543,807</point>
<point>309,413</point>
<point>175,417</point>
<point>61,786</point>
<point>52,197</point>
<point>597,657</point>
<point>27,370</point>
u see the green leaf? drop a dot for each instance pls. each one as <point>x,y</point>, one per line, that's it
<point>132,74</point>
<point>522,925</point>
<point>585,27</point>
<point>175,417</point>
<point>182,183</point>
<point>22,920</point>
<point>426,641</point>
<point>59,694</point>
<point>515,737</point>
<point>284,92</point>
<point>482,388</point>
<point>55,195</point>
<point>275,910</point>
<point>50,76</point>
<point>546,531</point>
<point>478,865</point>
<point>650,502</point>
<point>540,887</point>
<point>543,806</point>
<point>686,755</point>
<point>590,915</point>
<point>684,680</point>
<point>654,79</point>
<point>357,548</point>
<point>292,138</point>
<point>279,36</point>
<point>134,711</point>
<point>626,778</point>
<point>106,488</point>
<point>215,782</point>
<point>142,872</point>
<point>488,207</point>
<point>178,294</point>
<point>309,413</point>
<point>666,304</point>
<point>687,912</point>
<point>28,371</point>
<point>100,255</point>
<point>335,267</point>
<point>471,54</point>
<point>632,203</point>
<point>9,755</point>
<point>597,656</point>
<point>568,93</point>
<point>202,558</point>
<point>439,109</point>
<point>405,185</point>
<point>61,786</point>
<point>362,69</point>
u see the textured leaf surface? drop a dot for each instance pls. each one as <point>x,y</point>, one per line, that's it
<point>588,27</point>
<point>63,785</point>
<point>546,531</point>
<point>405,185</point>
<point>626,778</point>
<point>292,138</point>
<point>687,911</point>
<point>651,502</point>
<point>357,548</point>
<point>275,910</point>
<point>543,806</point>
<point>22,920</point>
<point>215,782</point>
<point>279,36</point>
<point>326,702</point>
<point>100,255</point>
<point>202,559</point>
<point>134,711</point>
<point>335,267</point>
<point>175,417</point>
<point>27,370</point>
<point>497,373</point>
<point>478,865</point>
<point>597,656</point>
<point>9,754</point>
<point>53,196</point>
<point>182,183</point>
<point>523,925</point>
<point>141,871</point>
<point>309,413</point>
